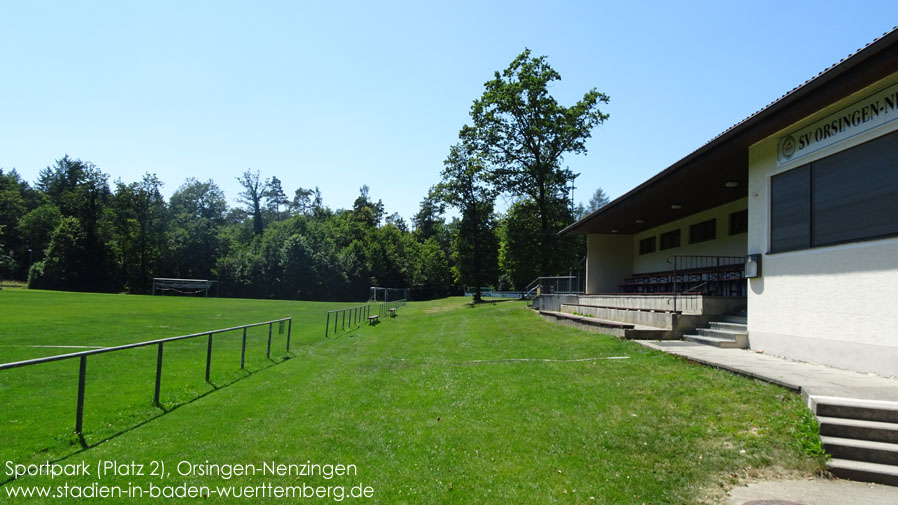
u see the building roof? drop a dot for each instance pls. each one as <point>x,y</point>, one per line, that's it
<point>705,178</point>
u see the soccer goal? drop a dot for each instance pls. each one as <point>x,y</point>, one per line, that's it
<point>183,287</point>
<point>379,294</point>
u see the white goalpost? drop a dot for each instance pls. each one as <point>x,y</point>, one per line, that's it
<point>184,287</point>
<point>379,294</point>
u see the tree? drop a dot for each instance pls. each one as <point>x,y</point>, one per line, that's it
<point>429,218</point>
<point>302,201</point>
<point>520,129</point>
<point>365,210</point>
<point>253,192</point>
<point>275,198</point>
<point>13,206</point>
<point>80,190</point>
<point>140,217</point>
<point>37,226</point>
<point>396,220</point>
<point>198,212</point>
<point>465,187</point>
<point>201,200</point>
<point>516,261</point>
<point>598,200</point>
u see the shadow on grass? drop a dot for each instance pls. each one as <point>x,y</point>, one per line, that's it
<point>85,445</point>
<point>345,332</point>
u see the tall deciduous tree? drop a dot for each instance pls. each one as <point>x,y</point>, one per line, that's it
<point>464,186</point>
<point>522,131</point>
<point>253,191</point>
<point>139,221</point>
<point>198,199</point>
<point>81,191</point>
<point>198,212</point>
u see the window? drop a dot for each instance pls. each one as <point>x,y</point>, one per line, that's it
<point>670,239</point>
<point>647,245</point>
<point>739,222</point>
<point>701,232</point>
<point>847,197</point>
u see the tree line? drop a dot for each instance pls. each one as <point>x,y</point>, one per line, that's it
<point>73,230</point>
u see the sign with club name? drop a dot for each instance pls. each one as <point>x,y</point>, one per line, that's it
<point>864,115</point>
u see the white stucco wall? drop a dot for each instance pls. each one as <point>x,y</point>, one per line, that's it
<point>609,261</point>
<point>724,245</point>
<point>836,305</point>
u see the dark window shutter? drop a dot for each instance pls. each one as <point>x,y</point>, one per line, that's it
<point>790,210</point>
<point>856,193</point>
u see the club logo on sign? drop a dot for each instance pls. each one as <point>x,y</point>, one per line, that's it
<point>788,148</point>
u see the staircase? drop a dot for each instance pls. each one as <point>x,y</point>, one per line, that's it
<point>731,332</point>
<point>861,436</point>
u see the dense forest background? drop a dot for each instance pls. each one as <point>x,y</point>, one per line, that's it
<point>79,232</point>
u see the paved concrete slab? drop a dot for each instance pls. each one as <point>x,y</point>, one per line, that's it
<point>803,377</point>
<point>814,492</point>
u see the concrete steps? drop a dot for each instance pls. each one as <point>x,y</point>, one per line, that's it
<point>861,435</point>
<point>856,428</point>
<point>861,450</point>
<point>864,472</point>
<point>728,333</point>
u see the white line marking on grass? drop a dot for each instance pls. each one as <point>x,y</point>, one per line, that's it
<point>516,360</point>
<point>521,360</point>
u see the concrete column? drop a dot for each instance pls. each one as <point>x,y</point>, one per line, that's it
<point>609,260</point>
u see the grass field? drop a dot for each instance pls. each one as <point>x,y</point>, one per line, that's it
<point>444,404</point>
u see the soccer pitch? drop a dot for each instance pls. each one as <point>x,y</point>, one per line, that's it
<point>443,404</point>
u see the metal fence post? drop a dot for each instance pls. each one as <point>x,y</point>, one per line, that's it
<point>158,374</point>
<point>208,357</point>
<point>675,283</point>
<point>79,410</point>
<point>344,320</point>
<point>328,324</point>
<point>243,350</point>
<point>717,278</point>
<point>289,327</point>
<point>268,350</point>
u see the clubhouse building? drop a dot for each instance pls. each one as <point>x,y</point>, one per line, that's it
<point>787,222</point>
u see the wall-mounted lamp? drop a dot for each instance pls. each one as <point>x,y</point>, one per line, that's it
<point>676,206</point>
<point>752,266</point>
<point>732,184</point>
<point>640,221</point>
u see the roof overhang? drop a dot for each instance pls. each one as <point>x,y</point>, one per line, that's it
<point>700,180</point>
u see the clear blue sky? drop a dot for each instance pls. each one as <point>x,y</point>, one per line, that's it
<point>340,94</point>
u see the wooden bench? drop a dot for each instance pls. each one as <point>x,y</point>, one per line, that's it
<point>372,320</point>
<point>393,312</point>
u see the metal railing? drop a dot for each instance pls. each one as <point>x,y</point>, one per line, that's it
<point>355,315</point>
<point>82,357</point>
<point>351,318</point>
<point>707,275</point>
<point>553,285</point>
<point>395,304</point>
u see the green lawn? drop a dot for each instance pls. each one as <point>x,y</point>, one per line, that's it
<point>443,404</point>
